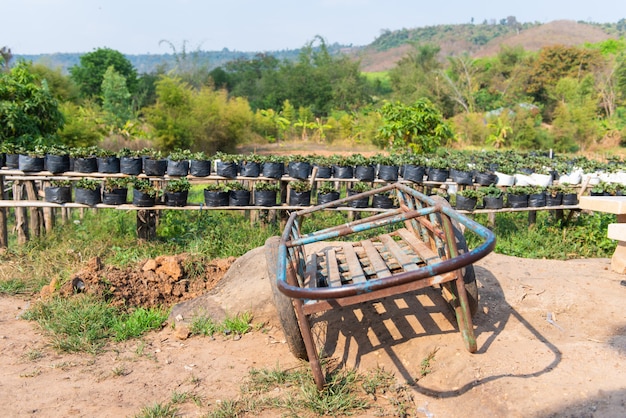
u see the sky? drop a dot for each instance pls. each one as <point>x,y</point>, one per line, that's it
<point>139,26</point>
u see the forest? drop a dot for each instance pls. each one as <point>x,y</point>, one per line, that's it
<point>565,98</point>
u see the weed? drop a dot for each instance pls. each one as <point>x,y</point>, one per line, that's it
<point>34,373</point>
<point>179,397</point>
<point>158,411</point>
<point>425,366</point>
<point>239,324</point>
<point>195,380</point>
<point>120,371</point>
<point>375,380</point>
<point>33,355</point>
<point>12,287</point>
<point>137,322</point>
<point>338,396</point>
<point>207,326</point>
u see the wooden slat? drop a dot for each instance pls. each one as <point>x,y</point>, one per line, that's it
<point>402,258</point>
<point>420,247</point>
<point>310,274</point>
<point>354,265</point>
<point>377,262</point>
<point>334,279</point>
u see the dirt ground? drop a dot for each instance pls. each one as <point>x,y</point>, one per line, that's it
<point>551,342</point>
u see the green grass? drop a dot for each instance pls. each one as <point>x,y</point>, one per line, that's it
<point>158,411</point>
<point>131,325</point>
<point>207,326</point>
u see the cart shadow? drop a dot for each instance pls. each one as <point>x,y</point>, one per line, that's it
<point>386,323</point>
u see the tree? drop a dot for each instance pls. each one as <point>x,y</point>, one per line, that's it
<point>115,99</point>
<point>93,65</point>
<point>420,127</point>
<point>28,111</point>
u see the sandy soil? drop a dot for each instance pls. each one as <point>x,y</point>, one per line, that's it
<point>551,342</point>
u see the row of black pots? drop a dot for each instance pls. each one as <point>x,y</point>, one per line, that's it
<point>63,194</point>
<point>518,201</point>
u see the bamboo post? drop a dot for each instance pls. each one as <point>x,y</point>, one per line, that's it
<point>4,236</point>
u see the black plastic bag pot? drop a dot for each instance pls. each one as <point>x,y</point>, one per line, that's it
<point>178,199</point>
<point>300,198</point>
<point>115,197</point>
<point>327,197</point>
<point>109,165</point>
<point>227,169</point>
<point>358,203</point>
<point>491,202</point>
<point>461,177</point>
<point>2,159</point>
<point>85,164</point>
<point>200,168</point>
<point>131,166</point>
<point>414,173</point>
<point>57,163</point>
<point>570,199</point>
<point>12,161</point>
<point>438,174</point>
<point>177,168</point>
<point>343,171</point>
<point>537,200</point>
<point>486,179</point>
<point>239,198</point>
<point>156,168</point>
<point>300,170</point>
<point>264,197</point>
<point>214,198</point>
<point>250,169</point>
<point>87,196</point>
<point>324,172</point>
<point>517,201</point>
<point>273,170</point>
<point>365,172</point>
<point>30,164</point>
<point>382,201</point>
<point>62,194</point>
<point>142,199</point>
<point>465,203</point>
<point>556,200</point>
<point>388,172</point>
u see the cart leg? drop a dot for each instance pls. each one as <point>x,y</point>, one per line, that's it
<point>307,336</point>
<point>464,316</point>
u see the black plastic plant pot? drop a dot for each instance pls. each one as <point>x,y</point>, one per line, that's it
<point>382,201</point>
<point>556,200</point>
<point>115,197</point>
<point>155,168</point>
<point>30,164</point>
<point>465,203</point>
<point>365,172</point>
<point>12,161</point>
<point>264,198</point>
<point>57,163</point>
<point>177,199</point>
<point>324,172</point>
<point>485,179</point>
<point>2,159</point>
<point>517,201</point>
<point>273,170</point>
<point>570,199</point>
<point>87,196</point>
<point>250,169</point>
<point>300,170</point>
<point>438,174</point>
<point>62,194</point>
<point>300,198</point>
<point>215,198</point>
<point>177,168</point>
<point>414,173</point>
<point>239,198</point>
<point>343,171</point>
<point>491,202</point>
<point>358,203</point>
<point>108,165</point>
<point>464,178</point>
<point>131,166</point>
<point>388,172</point>
<point>200,168</point>
<point>85,164</point>
<point>537,200</point>
<point>142,199</point>
<point>327,197</point>
<point>227,169</point>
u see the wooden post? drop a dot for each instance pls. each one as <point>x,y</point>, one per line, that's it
<point>146,224</point>
<point>20,214</point>
<point>491,220</point>
<point>532,217</point>
<point>4,236</point>
<point>36,214</point>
